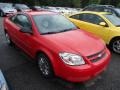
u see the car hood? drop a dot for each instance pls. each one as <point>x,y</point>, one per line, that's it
<point>76,41</point>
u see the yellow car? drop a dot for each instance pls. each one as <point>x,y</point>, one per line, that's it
<point>102,24</point>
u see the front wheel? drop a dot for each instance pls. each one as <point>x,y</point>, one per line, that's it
<point>115,45</point>
<point>45,66</point>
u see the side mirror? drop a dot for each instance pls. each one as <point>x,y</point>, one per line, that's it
<point>26,30</point>
<point>103,24</point>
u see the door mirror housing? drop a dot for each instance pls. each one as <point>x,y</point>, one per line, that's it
<point>103,24</point>
<point>26,30</point>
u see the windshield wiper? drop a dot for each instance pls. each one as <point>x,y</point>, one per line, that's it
<point>65,30</point>
<point>69,29</point>
<point>49,33</point>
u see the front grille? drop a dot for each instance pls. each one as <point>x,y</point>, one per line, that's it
<point>96,57</point>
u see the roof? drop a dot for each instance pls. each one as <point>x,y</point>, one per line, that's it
<point>97,5</point>
<point>93,12</point>
<point>39,13</point>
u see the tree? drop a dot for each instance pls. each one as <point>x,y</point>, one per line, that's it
<point>84,3</point>
<point>104,2</point>
<point>94,1</point>
<point>76,3</point>
<point>114,2</point>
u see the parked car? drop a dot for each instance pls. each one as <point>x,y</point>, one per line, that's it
<point>6,8</point>
<point>63,10</point>
<point>21,7</point>
<point>36,8</point>
<point>72,11</point>
<point>58,45</point>
<point>53,9</point>
<point>102,24</point>
<point>103,8</point>
<point>3,82</point>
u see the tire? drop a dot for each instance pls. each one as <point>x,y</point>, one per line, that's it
<point>9,42</point>
<point>45,66</point>
<point>1,13</point>
<point>115,45</point>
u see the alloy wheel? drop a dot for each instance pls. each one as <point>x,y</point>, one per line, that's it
<point>7,38</point>
<point>116,46</point>
<point>43,66</point>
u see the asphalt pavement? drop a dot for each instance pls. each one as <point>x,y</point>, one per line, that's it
<point>22,74</point>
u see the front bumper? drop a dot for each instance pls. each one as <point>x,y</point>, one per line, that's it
<point>84,72</point>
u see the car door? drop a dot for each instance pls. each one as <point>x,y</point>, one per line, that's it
<point>13,27</point>
<point>90,22</point>
<point>23,39</point>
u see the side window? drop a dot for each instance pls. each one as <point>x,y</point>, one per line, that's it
<point>108,10</point>
<point>92,18</point>
<point>81,17</point>
<point>78,16</point>
<point>98,9</point>
<point>22,21</point>
<point>75,16</point>
<point>89,9</point>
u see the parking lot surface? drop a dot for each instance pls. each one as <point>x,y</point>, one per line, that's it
<point>22,74</point>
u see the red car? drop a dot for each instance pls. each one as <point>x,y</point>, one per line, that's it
<point>60,48</point>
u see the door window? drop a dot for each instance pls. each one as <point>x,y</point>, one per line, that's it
<point>75,16</point>
<point>21,20</point>
<point>91,18</point>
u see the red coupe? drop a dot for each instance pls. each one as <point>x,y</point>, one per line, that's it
<point>60,48</point>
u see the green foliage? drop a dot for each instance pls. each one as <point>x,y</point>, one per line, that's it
<point>68,3</point>
<point>94,2</point>
<point>84,3</point>
<point>76,3</point>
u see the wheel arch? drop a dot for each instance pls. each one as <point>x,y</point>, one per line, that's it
<point>5,30</point>
<point>114,38</point>
<point>48,55</point>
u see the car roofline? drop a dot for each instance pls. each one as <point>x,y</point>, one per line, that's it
<point>93,12</point>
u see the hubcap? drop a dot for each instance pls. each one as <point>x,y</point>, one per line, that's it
<point>116,46</point>
<point>7,38</point>
<point>43,66</point>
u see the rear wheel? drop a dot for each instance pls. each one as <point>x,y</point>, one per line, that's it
<point>1,14</point>
<point>45,66</point>
<point>115,45</point>
<point>8,39</point>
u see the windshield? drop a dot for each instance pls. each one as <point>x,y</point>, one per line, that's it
<point>118,10</point>
<point>22,6</point>
<point>48,24</point>
<point>113,19</point>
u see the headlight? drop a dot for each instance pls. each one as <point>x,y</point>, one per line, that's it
<point>71,59</point>
<point>4,87</point>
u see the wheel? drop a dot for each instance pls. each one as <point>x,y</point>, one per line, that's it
<point>45,66</point>
<point>8,39</point>
<point>1,14</point>
<point>115,45</point>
